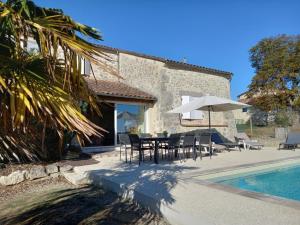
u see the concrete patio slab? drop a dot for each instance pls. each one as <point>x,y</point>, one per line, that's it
<point>176,189</point>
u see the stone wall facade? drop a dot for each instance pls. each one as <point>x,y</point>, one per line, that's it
<point>168,84</point>
<point>241,117</point>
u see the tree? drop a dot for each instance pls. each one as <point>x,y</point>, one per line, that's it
<point>276,61</point>
<point>44,86</point>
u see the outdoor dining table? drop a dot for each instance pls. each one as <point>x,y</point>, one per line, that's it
<point>156,141</point>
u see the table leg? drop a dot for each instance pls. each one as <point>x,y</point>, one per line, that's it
<point>194,151</point>
<point>140,153</point>
<point>156,156</point>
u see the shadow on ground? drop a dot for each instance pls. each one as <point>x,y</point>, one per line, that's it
<point>86,205</point>
<point>92,205</point>
<point>153,183</point>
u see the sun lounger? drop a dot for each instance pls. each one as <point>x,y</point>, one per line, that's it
<point>246,142</point>
<point>292,140</point>
<point>219,144</point>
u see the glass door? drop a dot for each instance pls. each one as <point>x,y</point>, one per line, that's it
<point>130,118</point>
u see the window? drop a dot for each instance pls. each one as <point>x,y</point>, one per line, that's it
<point>85,67</point>
<point>193,115</point>
<point>130,118</point>
<point>245,109</point>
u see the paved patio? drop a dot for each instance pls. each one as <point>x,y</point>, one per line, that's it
<point>179,191</point>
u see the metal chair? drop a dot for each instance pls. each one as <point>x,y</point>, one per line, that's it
<point>147,144</point>
<point>136,145</point>
<point>173,145</point>
<point>162,134</point>
<point>197,147</point>
<point>124,141</point>
<point>204,144</point>
<point>162,144</point>
<point>188,144</point>
<point>145,135</point>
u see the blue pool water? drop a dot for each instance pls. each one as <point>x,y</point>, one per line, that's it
<point>283,182</point>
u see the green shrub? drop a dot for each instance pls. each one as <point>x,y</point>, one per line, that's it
<point>282,119</point>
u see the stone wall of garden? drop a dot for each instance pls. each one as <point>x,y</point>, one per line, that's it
<point>33,173</point>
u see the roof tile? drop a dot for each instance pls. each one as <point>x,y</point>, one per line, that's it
<point>169,62</point>
<point>117,89</point>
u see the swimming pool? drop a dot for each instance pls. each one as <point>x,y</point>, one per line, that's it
<point>282,182</point>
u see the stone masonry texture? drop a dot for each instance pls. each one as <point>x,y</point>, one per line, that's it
<point>168,84</point>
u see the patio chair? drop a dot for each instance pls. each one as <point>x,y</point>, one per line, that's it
<point>243,139</point>
<point>292,141</point>
<point>161,134</point>
<point>162,145</point>
<point>202,144</point>
<point>188,143</point>
<point>147,144</point>
<point>125,143</point>
<point>145,135</point>
<point>136,145</point>
<point>172,146</point>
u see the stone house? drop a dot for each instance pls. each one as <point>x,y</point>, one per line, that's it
<point>253,114</point>
<point>242,116</point>
<point>150,86</point>
<point>262,118</point>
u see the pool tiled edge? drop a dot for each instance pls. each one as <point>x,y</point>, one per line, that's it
<point>250,194</point>
<point>250,170</point>
<point>245,168</point>
<point>206,178</point>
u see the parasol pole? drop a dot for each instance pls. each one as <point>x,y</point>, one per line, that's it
<point>209,128</point>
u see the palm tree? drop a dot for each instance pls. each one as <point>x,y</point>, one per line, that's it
<point>43,85</point>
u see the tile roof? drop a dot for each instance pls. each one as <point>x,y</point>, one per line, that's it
<point>117,89</point>
<point>243,93</point>
<point>168,62</point>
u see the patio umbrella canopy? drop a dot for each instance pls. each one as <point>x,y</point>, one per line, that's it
<point>209,103</point>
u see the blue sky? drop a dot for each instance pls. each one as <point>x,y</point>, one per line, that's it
<point>215,34</point>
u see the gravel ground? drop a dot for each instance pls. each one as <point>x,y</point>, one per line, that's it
<point>55,201</point>
<point>7,193</point>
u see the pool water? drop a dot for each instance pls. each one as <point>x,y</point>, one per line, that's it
<point>283,182</point>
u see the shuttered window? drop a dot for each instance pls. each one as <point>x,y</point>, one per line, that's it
<point>194,115</point>
<point>85,67</point>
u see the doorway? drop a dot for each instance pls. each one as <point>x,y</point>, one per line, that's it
<point>117,118</point>
<point>106,121</point>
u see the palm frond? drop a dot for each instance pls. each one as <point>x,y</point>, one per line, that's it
<point>47,85</point>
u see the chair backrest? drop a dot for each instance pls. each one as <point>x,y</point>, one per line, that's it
<point>204,138</point>
<point>293,138</point>
<point>189,140</point>
<point>160,134</point>
<point>243,136</point>
<point>145,135</point>
<point>124,139</point>
<point>238,140</point>
<point>174,140</point>
<point>134,139</point>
